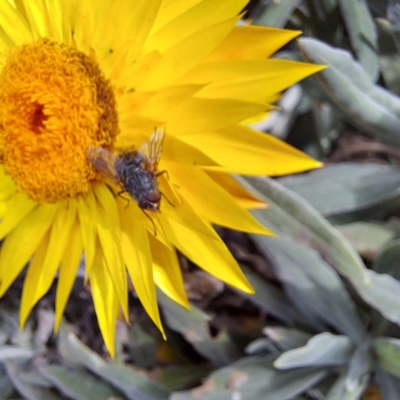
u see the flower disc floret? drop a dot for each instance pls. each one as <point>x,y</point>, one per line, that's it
<point>54,102</point>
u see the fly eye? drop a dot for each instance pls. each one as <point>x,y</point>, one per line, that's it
<point>154,197</point>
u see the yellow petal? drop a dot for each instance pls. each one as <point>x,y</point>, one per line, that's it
<point>105,299</point>
<point>247,152</point>
<point>212,202</point>
<point>150,221</point>
<point>109,233</point>
<point>203,15</point>
<point>14,25</point>
<point>242,196</point>
<point>138,260</point>
<point>209,254</point>
<point>38,18</point>
<point>41,274</point>
<point>252,43</point>
<point>30,231</point>
<point>60,18</point>
<point>159,104</point>
<point>4,206</point>
<point>202,115</point>
<point>139,71</point>
<point>145,13</point>
<point>181,58</point>
<point>183,213</point>
<point>262,80</point>
<point>168,189</point>
<point>21,206</point>
<point>56,17</point>
<point>167,272</point>
<point>85,207</point>
<point>248,80</point>
<point>169,10</point>
<point>68,270</point>
<point>37,260</point>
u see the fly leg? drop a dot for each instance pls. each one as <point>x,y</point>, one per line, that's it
<point>163,172</point>
<point>166,198</point>
<point>148,216</point>
<point>124,198</point>
<point>162,194</point>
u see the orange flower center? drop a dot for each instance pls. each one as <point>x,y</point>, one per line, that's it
<point>54,102</point>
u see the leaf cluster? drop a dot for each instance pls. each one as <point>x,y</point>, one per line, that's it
<point>324,322</point>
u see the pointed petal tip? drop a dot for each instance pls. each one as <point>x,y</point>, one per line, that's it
<point>245,287</point>
<point>183,301</point>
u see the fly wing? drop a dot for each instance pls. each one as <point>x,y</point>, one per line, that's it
<point>104,162</point>
<point>152,150</point>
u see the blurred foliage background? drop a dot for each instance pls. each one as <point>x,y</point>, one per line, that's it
<point>324,322</point>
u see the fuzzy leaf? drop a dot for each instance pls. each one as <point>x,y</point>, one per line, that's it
<point>287,339</point>
<point>339,391</point>
<point>78,384</point>
<point>312,285</point>
<point>372,108</point>
<point>389,56</point>
<point>387,351</point>
<point>270,298</point>
<point>390,385</point>
<point>393,15</point>
<point>251,379</point>
<point>27,390</point>
<point>346,187</point>
<point>276,13</point>
<point>321,350</point>
<point>360,365</point>
<point>362,32</point>
<point>132,383</point>
<point>193,325</point>
<point>291,216</point>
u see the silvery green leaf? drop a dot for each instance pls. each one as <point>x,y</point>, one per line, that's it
<point>340,392</point>
<point>389,384</point>
<point>269,298</point>
<point>78,384</point>
<point>276,13</point>
<point>362,32</point>
<point>6,385</point>
<point>370,107</point>
<point>193,325</point>
<point>387,351</point>
<point>254,378</point>
<point>183,376</point>
<point>13,352</point>
<point>389,56</point>
<point>368,238</point>
<point>387,262</point>
<point>313,286</point>
<point>346,187</point>
<point>393,15</point>
<point>27,390</point>
<point>286,338</point>
<point>360,366</point>
<point>291,216</point>
<point>383,293</point>
<point>260,346</point>
<point>324,349</point>
<point>132,383</point>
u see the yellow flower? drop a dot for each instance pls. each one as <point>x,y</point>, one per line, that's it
<point>79,73</point>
